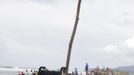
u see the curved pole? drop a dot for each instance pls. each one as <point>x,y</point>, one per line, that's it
<point>72,37</point>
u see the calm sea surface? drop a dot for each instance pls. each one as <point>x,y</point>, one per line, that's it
<point>8,73</point>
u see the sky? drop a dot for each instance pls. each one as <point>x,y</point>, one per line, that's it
<point>37,32</point>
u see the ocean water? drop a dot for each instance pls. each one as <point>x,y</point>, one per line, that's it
<point>8,73</point>
<point>14,71</point>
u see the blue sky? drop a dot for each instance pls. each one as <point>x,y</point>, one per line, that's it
<point>37,32</point>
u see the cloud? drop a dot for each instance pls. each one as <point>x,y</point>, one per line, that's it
<point>27,32</point>
<point>130,42</point>
<point>112,49</point>
<point>47,1</point>
<point>123,52</point>
<point>39,31</point>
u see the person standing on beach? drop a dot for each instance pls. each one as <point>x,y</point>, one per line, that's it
<point>76,71</point>
<point>27,72</point>
<point>22,73</point>
<point>86,69</point>
<point>18,73</point>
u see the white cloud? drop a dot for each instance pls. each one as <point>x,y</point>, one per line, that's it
<point>40,31</point>
<point>112,49</point>
<point>125,50</point>
<point>130,42</point>
<point>29,30</point>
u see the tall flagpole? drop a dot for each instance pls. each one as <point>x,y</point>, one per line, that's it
<point>72,37</point>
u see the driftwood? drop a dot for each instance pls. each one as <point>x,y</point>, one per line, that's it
<point>72,37</point>
<point>106,71</point>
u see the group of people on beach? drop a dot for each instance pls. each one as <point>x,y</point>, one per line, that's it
<point>26,72</point>
<point>94,71</point>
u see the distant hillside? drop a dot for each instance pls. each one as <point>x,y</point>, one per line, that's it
<point>6,67</point>
<point>10,67</point>
<point>126,68</point>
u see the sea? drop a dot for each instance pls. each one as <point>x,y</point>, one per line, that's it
<point>8,73</point>
<point>14,71</point>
